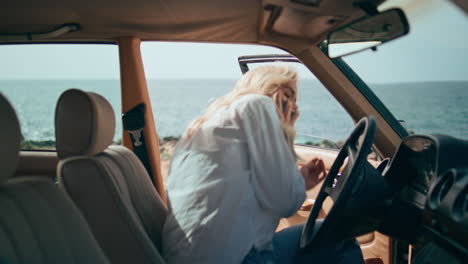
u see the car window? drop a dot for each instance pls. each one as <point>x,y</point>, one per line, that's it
<point>322,121</point>
<point>32,77</point>
<point>422,77</point>
<point>182,86</point>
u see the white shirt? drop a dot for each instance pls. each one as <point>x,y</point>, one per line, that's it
<point>229,185</point>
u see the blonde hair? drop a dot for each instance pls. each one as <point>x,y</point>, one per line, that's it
<point>264,80</point>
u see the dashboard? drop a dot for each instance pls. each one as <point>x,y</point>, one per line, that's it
<point>429,176</point>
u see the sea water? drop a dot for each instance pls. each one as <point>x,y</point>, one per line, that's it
<point>436,107</point>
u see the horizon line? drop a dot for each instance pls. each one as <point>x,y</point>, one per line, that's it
<point>204,79</point>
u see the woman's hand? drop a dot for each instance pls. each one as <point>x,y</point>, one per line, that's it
<point>313,172</point>
<point>288,109</point>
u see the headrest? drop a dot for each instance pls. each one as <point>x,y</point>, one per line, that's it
<point>84,124</point>
<point>10,137</point>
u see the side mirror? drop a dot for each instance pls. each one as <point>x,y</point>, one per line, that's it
<point>366,33</point>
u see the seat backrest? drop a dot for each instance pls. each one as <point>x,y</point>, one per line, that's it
<point>108,183</point>
<point>38,222</point>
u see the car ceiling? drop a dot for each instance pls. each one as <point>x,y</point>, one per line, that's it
<point>232,21</point>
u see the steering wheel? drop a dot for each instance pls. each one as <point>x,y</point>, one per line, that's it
<point>342,188</point>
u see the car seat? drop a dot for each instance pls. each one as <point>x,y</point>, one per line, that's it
<point>108,183</point>
<point>38,221</point>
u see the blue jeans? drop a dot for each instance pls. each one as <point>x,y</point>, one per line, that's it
<point>286,250</point>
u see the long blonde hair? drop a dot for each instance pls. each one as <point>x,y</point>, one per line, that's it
<point>264,80</point>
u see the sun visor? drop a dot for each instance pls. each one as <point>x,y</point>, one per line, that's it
<point>304,24</point>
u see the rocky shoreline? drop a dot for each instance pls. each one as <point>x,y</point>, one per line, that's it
<point>166,147</point>
<point>166,150</point>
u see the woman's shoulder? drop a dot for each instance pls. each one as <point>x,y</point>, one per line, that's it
<point>254,102</point>
<point>255,98</point>
<point>256,106</point>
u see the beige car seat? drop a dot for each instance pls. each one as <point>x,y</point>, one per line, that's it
<point>108,183</point>
<point>38,222</point>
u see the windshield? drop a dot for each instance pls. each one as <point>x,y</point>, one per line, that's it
<point>422,78</point>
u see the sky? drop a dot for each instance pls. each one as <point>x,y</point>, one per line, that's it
<point>435,50</point>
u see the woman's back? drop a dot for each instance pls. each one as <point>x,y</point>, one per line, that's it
<point>229,184</point>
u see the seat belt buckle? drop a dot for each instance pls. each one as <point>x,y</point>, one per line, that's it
<point>136,135</point>
<point>134,122</point>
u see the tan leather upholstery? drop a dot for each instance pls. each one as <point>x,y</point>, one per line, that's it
<point>38,222</point>
<point>84,124</point>
<point>112,187</point>
<point>11,137</point>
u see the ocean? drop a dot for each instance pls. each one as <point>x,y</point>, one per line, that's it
<point>432,107</point>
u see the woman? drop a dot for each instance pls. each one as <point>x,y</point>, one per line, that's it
<point>234,176</point>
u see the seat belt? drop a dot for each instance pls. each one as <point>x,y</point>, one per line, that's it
<point>134,122</point>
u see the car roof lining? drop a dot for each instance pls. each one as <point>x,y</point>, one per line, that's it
<point>223,21</point>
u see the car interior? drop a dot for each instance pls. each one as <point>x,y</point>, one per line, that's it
<point>40,223</point>
<point>91,199</point>
<point>108,183</point>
